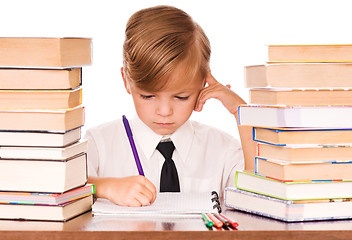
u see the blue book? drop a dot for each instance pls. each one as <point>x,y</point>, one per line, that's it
<point>284,136</point>
<point>303,170</point>
<point>298,116</point>
<point>304,153</point>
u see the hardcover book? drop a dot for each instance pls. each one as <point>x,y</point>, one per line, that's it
<point>299,75</point>
<point>40,99</point>
<point>60,213</point>
<point>303,171</point>
<point>306,152</point>
<point>293,190</point>
<point>300,97</point>
<point>44,52</point>
<point>21,78</point>
<point>284,136</point>
<point>310,53</point>
<point>288,211</point>
<point>42,120</point>
<point>43,175</point>
<point>46,198</point>
<point>39,138</point>
<point>309,117</point>
<point>52,153</point>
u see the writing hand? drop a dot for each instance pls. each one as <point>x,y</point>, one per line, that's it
<point>134,191</point>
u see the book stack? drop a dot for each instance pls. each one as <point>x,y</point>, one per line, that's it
<point>42,157</point>
<point>300,109</point>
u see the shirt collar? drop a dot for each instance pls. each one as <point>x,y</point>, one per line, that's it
<point>147,140</point>
<point>182,139</point>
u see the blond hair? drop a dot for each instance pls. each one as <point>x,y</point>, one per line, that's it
<point>159,39</point>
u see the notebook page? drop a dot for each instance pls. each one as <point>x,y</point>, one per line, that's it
<point>165,203</point>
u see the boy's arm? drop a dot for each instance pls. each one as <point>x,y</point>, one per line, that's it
<point>134,191</point>
<point>231,101</point>
<point>129,191</point>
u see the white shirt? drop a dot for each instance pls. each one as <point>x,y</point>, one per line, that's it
<point>205,157</point>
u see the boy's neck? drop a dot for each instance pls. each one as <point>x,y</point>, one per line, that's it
<point>165,138</point>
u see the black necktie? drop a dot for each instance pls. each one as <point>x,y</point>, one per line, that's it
<point>169,177</point>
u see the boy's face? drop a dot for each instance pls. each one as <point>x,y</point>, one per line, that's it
<point>168,109</point>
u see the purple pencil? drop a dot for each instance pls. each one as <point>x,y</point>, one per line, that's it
<point>133,146</point>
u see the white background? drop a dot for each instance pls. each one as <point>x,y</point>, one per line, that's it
<point>238,31</point>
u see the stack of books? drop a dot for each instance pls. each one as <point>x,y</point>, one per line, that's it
<point>42,157</point>
<point>300,109</point>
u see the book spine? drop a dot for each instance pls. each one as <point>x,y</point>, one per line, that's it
<point>236,178</point>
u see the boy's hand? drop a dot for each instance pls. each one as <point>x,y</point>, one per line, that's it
<point>231,101</point>
<point>134,191</point>
<point>218,91</point>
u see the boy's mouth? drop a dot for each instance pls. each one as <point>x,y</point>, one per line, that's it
<point>164,124</point>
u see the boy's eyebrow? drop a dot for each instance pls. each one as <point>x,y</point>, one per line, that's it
<point>183,91</point>
<point>144,92</point>
<point>186,91</point>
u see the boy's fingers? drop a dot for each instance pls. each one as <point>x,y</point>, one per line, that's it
<point>210,79</point>
<point>200,102</point>
<point>205,95</point>
<point>151,189</point>
<point>149,195</point>
<point>198,107</point>
<point>133,203</point>
<point>142,199</point>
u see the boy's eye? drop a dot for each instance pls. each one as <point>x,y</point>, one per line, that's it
<point>146,96</point>
<point>182,98</point>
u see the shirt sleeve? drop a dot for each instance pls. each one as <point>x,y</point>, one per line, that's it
<point>234,161</point>
<point>92,155</point>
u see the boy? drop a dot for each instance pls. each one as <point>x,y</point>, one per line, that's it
<point>166,67</point>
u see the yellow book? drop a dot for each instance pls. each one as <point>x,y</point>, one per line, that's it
<point>301,97</point>
<point>42,120</point>
<point>310,53</point>
<point>284,136</point>
<point>43,175</point>
<point>299,75</point>
<point>305,152</point>
<point>21,78</point>
<point>44,52</point>
<point>287,171</point>
<point>40,99</point>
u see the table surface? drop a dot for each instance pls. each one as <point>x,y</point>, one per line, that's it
<point>251,226</point>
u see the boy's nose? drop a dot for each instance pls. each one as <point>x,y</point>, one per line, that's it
<point>164,109</point>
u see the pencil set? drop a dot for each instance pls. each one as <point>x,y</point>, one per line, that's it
<point>300,110</point>
<point>218,221</point>
<point>43,161</point>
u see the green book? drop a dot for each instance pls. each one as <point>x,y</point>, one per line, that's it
<point>293,190</point>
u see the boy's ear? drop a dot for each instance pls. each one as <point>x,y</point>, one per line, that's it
<point>125,82</point>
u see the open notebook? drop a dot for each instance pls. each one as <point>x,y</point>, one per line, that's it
<point>165,204</point>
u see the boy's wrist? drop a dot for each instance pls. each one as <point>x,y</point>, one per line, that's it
<point>106,187</point>
<point>102,186</point>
